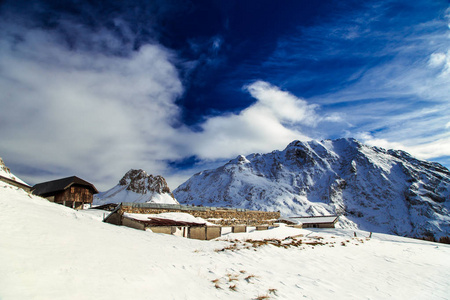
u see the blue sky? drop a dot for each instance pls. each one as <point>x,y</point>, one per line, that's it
<point>174,87</point>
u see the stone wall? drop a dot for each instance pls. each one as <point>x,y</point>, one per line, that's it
<point>223,217</point>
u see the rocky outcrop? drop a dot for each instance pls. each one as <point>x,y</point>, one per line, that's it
<point>140,182</point>
<point>5,172</point>
<point>138,186</point>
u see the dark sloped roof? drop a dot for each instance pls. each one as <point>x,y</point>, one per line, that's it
<point>60,185</point>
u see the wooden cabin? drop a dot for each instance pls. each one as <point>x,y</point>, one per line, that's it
<point>71,191</point>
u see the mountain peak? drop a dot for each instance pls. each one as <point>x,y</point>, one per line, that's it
<point>140,182</point>
<point>372,188</point>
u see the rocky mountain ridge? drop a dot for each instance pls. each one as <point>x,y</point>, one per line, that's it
<point>371,188</point>
<point>140,187</point>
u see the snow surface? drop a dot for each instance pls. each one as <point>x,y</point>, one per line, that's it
<point>49,251</point>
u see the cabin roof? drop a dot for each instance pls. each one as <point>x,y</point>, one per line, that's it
<point>59,185</point>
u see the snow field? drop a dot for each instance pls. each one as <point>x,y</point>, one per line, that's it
<point>49,251</point>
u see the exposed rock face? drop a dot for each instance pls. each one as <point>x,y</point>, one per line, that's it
<point>371,188</point>
<point>138,186</point>
<point>140,182</point>
<point>3,166</point>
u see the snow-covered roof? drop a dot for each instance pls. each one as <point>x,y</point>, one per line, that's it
<point>318,219</point>
<point>169,219</point>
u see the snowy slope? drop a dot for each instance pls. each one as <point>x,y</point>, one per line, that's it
<point>137,186</point>
<point>374,189</point>
<point>6,172</point>
<point>49,251</point>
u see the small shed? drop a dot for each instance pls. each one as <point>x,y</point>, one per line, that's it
<point>71,191</point>
<point>316,221</point>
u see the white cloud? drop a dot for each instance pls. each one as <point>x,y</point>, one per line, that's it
<point>368,139</point>
<point>437,59</point>
<point>283,105</point>
<point>273,121</point>
<point>428,150</point>
<point>442,61</point>
<point>92,114</point>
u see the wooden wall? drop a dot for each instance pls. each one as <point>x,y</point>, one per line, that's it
<point>78,194</point>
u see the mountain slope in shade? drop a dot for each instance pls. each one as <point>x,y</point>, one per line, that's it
<point>139,187</point>
<point>371,188</point>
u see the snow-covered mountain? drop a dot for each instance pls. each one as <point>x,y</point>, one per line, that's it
<point>6,172</point>
<point>137,186</point>
<point>373,189</point>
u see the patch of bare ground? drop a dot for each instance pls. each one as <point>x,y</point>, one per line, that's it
<point>232,281</point>
<point>290,242</point>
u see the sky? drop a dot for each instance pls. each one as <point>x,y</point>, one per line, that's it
<point>95,88</point>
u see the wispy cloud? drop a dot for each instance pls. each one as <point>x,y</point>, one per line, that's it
<point>274,120</point>
<point>395,91</point>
